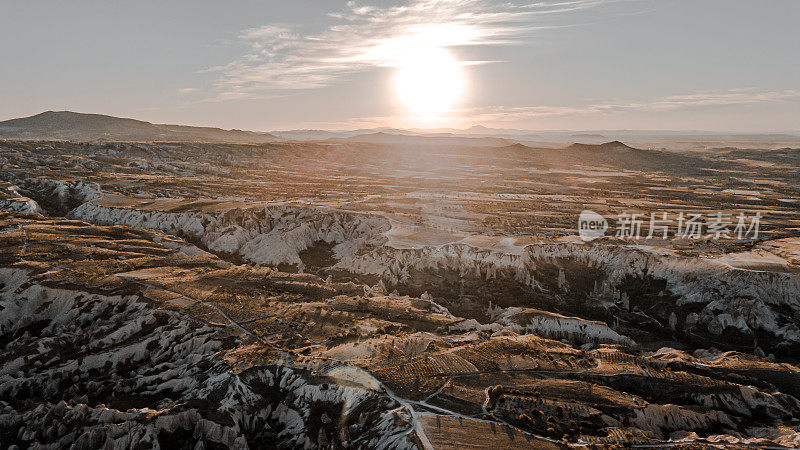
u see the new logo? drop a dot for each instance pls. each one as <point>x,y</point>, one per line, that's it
<point>591,225</point>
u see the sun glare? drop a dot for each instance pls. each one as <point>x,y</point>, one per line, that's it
<point>429,82</point>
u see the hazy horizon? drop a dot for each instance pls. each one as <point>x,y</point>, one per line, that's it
<point>434,130</point>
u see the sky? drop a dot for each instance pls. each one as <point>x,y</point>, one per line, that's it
<point>717,65</point>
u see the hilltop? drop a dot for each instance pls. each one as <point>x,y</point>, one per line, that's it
<point>73,126</point>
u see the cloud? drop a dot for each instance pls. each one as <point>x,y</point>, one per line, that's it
<point>364,36</point>
<point>677,102</point>
<point>500,115</point>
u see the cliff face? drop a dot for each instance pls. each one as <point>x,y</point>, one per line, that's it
<point>125,336</point>
<point>86,369</point>
<point>706,297</point>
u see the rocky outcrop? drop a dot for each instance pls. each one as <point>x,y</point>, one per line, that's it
<point>715,297</point>
<point>92,370</point>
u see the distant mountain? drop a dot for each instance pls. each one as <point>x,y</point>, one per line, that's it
<point>614,154</point>
<point>475,130</point>
<point>307,135</point>
<point>435,139</point>
<point>517,147</point>
<point>72,126</point>
<point>590,138</point>
<point>614,146</point>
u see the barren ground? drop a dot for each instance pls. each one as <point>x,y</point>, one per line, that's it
<point>360,296</point>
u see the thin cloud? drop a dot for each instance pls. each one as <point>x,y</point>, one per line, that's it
<point>677,102</point>
<point>365,36</point>
<point>497,115</point>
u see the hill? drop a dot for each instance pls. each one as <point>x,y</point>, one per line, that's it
<point>608,146</point>
<point>614,154</point>
<point>72,126</point>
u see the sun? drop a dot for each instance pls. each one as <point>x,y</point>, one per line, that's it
<point>429,82</point>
